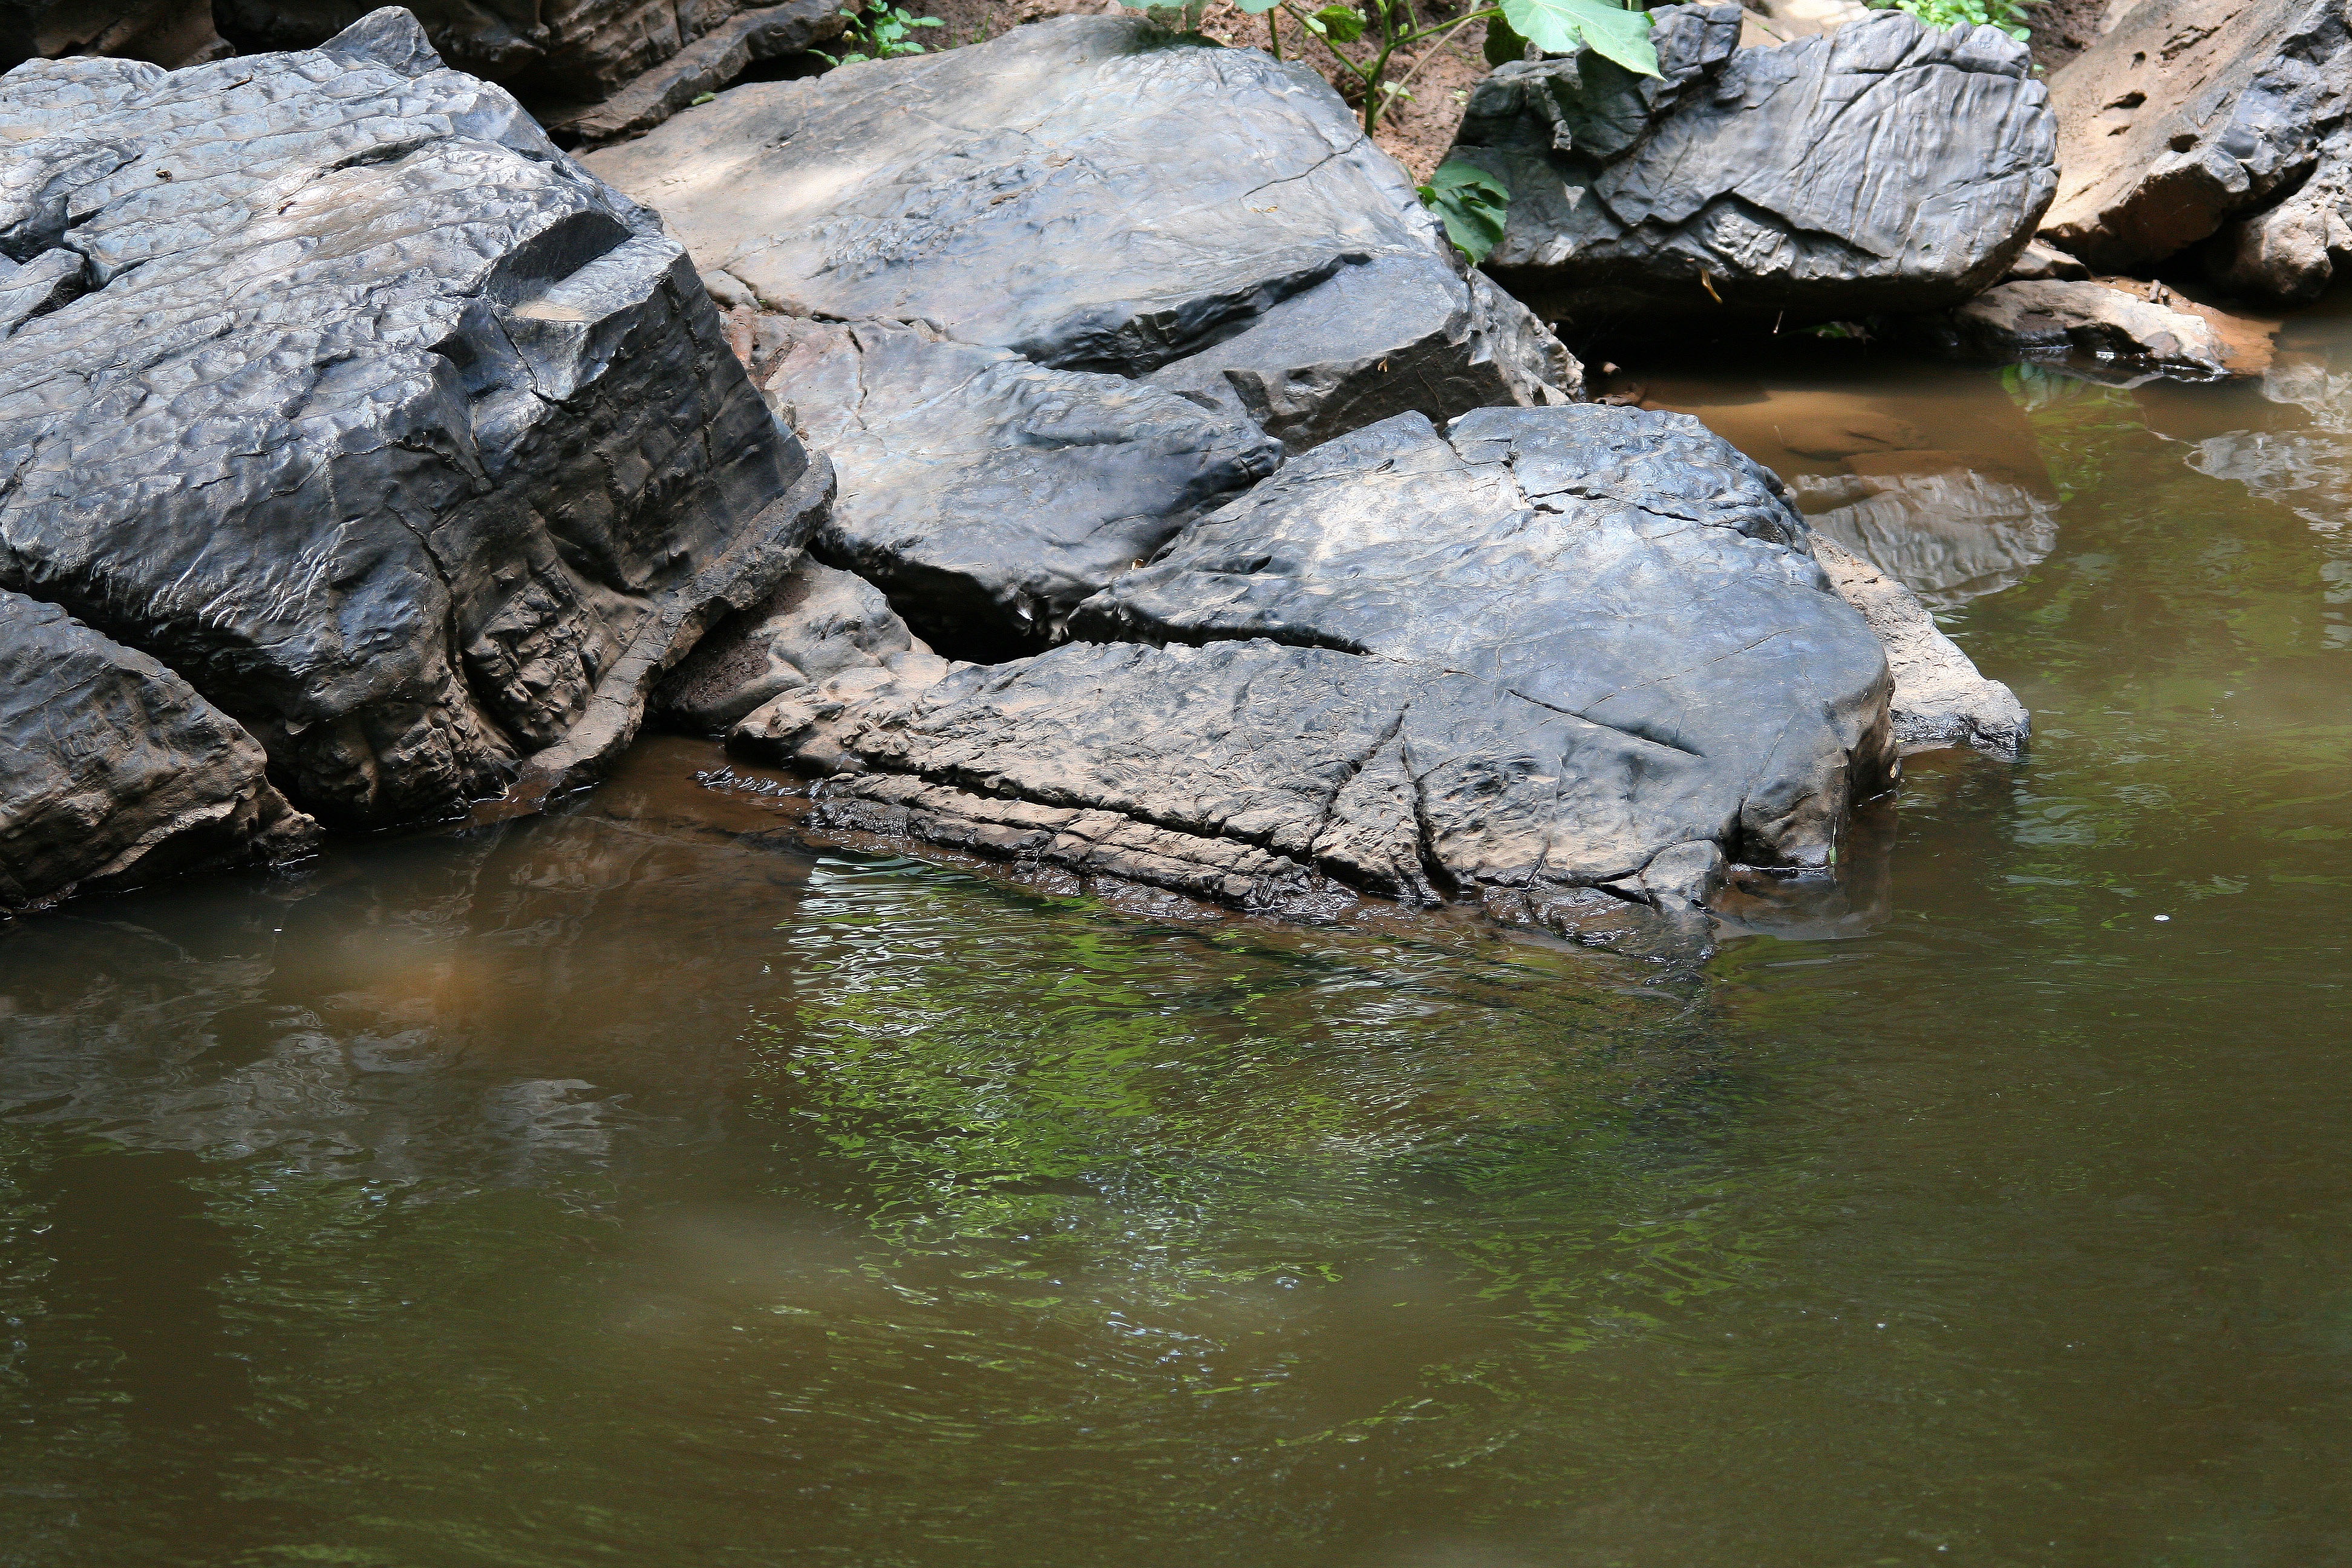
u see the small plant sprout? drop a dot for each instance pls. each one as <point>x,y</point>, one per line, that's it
<point>1554,27</point>
<point>2009,16</point>
<point>877,31</point>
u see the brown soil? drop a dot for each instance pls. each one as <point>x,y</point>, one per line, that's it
<point>2062,29</point>
<point>1416,132</point>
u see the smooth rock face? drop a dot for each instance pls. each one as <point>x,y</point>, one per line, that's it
<point>984,494</point>
<point>1625,568</point>
<point>2189,113</point>
<point>406,443</point>
<point>1940,699</point>
<point>113,773</point>
<point>1888,166</point>
<point>2054,319</point>
<point>1091,199</point>
<point>781,679</point>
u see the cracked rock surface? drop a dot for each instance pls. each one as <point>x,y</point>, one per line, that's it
<point>2116,328</point>
<point>1559,656</point>
<point>1626,569</point>
<point>1094,197</point>
<point>2189,115</point>
<point>113,773</point>
<point>1888,166</point>
<point>411,446</point>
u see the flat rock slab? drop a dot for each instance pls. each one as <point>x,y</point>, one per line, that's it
<point>987,495</point>
<point>113,773</point>
<point>1626,569</point>
<point>1260,768</point>
<point>2189,114</point>
<point>1094,197</point>
<point>2114,329</point>
<point>408,444</point>
<point>1888,166</point>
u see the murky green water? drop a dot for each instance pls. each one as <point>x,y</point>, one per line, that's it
<point>627,1187</point>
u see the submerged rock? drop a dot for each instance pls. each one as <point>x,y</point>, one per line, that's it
<point>113,773</point>
<point>1094,197</point>
<point>2188,114</point>
<point>1886,168</point>
<point>410,446</point>
<point>1947,531</point>
<point>984,494</point>
<point>1940,698</point>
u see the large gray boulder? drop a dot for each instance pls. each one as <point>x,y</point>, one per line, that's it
<point>1091,195</point>
<point>1559,663</point>
<point>2189,114</point>
<point>984,494</point>
<point>405,442</point>
<point>1625,568</point>
<point>113,773</point>
<point>1885,167</point>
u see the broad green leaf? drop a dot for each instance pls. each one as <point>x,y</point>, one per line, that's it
<point>1257,7</point>
<point>1559,27</point>
<point>1503,45</point>
<point>1472,203</point>
<point>1344,22</point>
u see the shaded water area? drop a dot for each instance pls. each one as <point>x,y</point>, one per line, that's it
<point>635,1185</point>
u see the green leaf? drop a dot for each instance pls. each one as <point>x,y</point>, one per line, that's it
<point>1503,45</point>
<point>1560,26</point>
<point>1257,7</point>
<point>1473,204</point>
<point>925,22</point>
<point>1344,22</point>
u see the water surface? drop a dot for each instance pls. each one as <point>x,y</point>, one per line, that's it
<point>635,1185</point>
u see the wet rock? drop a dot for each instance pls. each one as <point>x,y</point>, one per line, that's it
<point>2114,327</point>
<point>1948,531</point>
<point>169,33</point>
<point>1885,167</point>
<point>987,495</point>
<point>113,773</point>
<point>1940,698</point>
<point>1625,568</point>
<point>2188,114</point>
<point>780,679</point>
<point>405,442</point>
<point>2041,262</point>
<point>1091,197</point>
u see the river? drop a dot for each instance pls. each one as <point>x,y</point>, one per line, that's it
<point>634,1185</point>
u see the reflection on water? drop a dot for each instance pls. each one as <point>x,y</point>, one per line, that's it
<point>634,1185</point>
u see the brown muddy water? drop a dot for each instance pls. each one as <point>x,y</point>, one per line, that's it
<point>632,1186</point>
